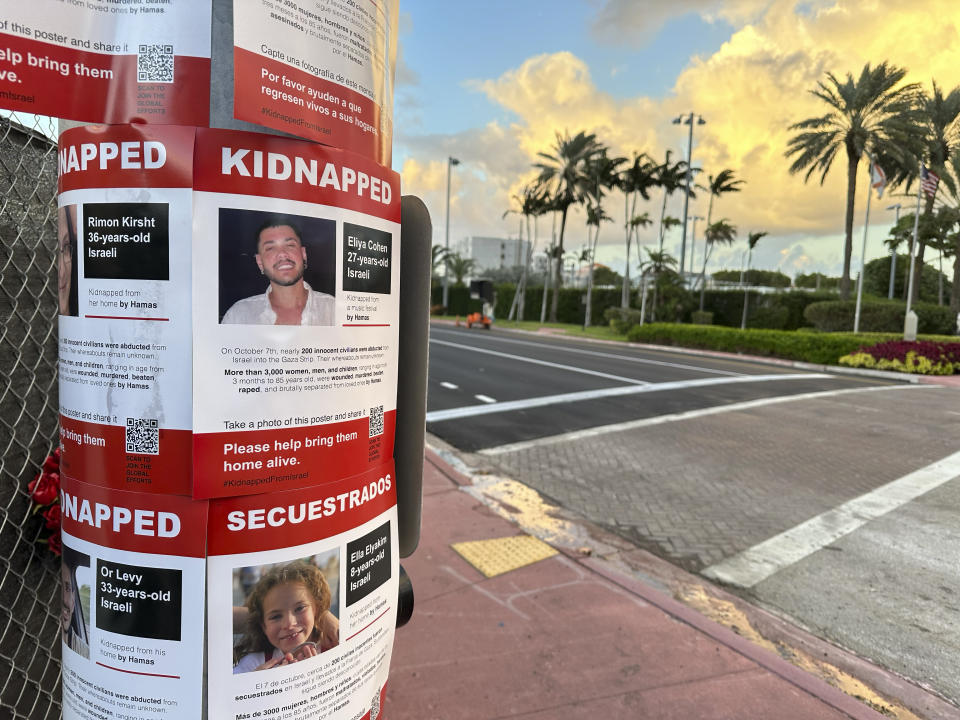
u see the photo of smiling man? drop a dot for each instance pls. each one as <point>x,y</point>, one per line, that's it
<point>282,259</point>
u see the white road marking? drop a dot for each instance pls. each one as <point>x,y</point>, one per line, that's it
<point>677,417</point>
<point>756,564</point>
<point>485,398</point>
<point>449,385</point>
<point>571,368</point>
<point>614,356</point>
<point>510,405</point>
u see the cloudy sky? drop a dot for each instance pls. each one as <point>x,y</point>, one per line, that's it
<point>490,83</point>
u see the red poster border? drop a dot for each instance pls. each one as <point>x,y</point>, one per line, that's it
<point>116,98</point>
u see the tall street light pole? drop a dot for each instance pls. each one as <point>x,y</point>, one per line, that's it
<point>693,239</point>
<point>451,161</point>
<point>688,120</point>
<point>893,254</point>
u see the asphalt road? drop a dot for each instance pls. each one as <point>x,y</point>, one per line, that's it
<point>487,389</point>
<point>832,499</point>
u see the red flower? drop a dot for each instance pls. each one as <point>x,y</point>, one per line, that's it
<point>53,543</point>
<point>45,488</point>
<point>52,517</point>
<point>51,464</point>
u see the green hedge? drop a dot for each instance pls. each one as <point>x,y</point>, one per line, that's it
<point>775,311</point>
<point>459,300</point>
<point>880,316</point>
<point>770,278</point>
<point>803,345</point>
<point>810,281</point>
<point>877,279</point>
<point>766,311</point>
<point>621,320</point>
<point>771,311</point>
<point>570,307</point>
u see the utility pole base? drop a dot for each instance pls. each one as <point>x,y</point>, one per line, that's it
<point>910,327</point>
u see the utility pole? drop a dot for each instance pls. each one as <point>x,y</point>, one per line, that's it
<point>893,253</point>
<point>686,196</point>
<point>451,161</point>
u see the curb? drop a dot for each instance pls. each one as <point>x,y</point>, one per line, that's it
<point>810,684</point>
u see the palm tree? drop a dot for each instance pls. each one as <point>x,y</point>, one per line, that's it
<point>460,267</point>
<point>939,117</point>
<point>654,266</point>
<point>438,255</point>
<point>893,243</point>
<point>719,233</point>
<point>944,220</point>
<point>638,178</point>
<point>666,225</point>
<point>902,234</point>
<point>563,172</point>
<point>866,114</point>
<point>531,202</point>
<point>541,206</point>
<point>952,202</point>
<point>671,178</point>
<point>600,173</point>
<point>595,215</point>
<point>752,240</point>
<point>724,182</point>
<point>636,222</point>
<point>551,257</point>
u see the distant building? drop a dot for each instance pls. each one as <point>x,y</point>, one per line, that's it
<point>492,253</point>
<point>581,276</point>
<point>540,261</point>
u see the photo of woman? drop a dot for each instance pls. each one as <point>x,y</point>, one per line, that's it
<point>74,626</point>
<point>67,260</point>
<point>287,615</point>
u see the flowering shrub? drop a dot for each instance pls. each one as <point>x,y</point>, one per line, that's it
<point>44,491</point>
<point>859,360</point>
<point>920,357</point>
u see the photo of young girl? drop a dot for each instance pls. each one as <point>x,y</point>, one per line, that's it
<point>287,615</point>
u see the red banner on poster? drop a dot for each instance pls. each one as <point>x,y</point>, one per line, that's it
<point>296,517</point>
<point>235,463</point>
<point>98,452</point>
<point>302,104</point>
<point>107,62</point>
<point>323,73</point>
<point>133,521</point>
<point>244,163</point>
<point>129,156</point>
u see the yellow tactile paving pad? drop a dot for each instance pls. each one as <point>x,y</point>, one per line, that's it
<point>500,555</point>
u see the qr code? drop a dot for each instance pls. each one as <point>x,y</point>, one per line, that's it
<point>155,63</point>
<point>142,436</point>
<point>376,421</point>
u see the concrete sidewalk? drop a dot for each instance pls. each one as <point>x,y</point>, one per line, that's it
<point>570,636</point>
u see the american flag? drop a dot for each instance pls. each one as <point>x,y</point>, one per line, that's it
<point>878,178</point>
<point>928,181</point>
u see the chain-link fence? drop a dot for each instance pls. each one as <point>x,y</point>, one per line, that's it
<point>29,572</point>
